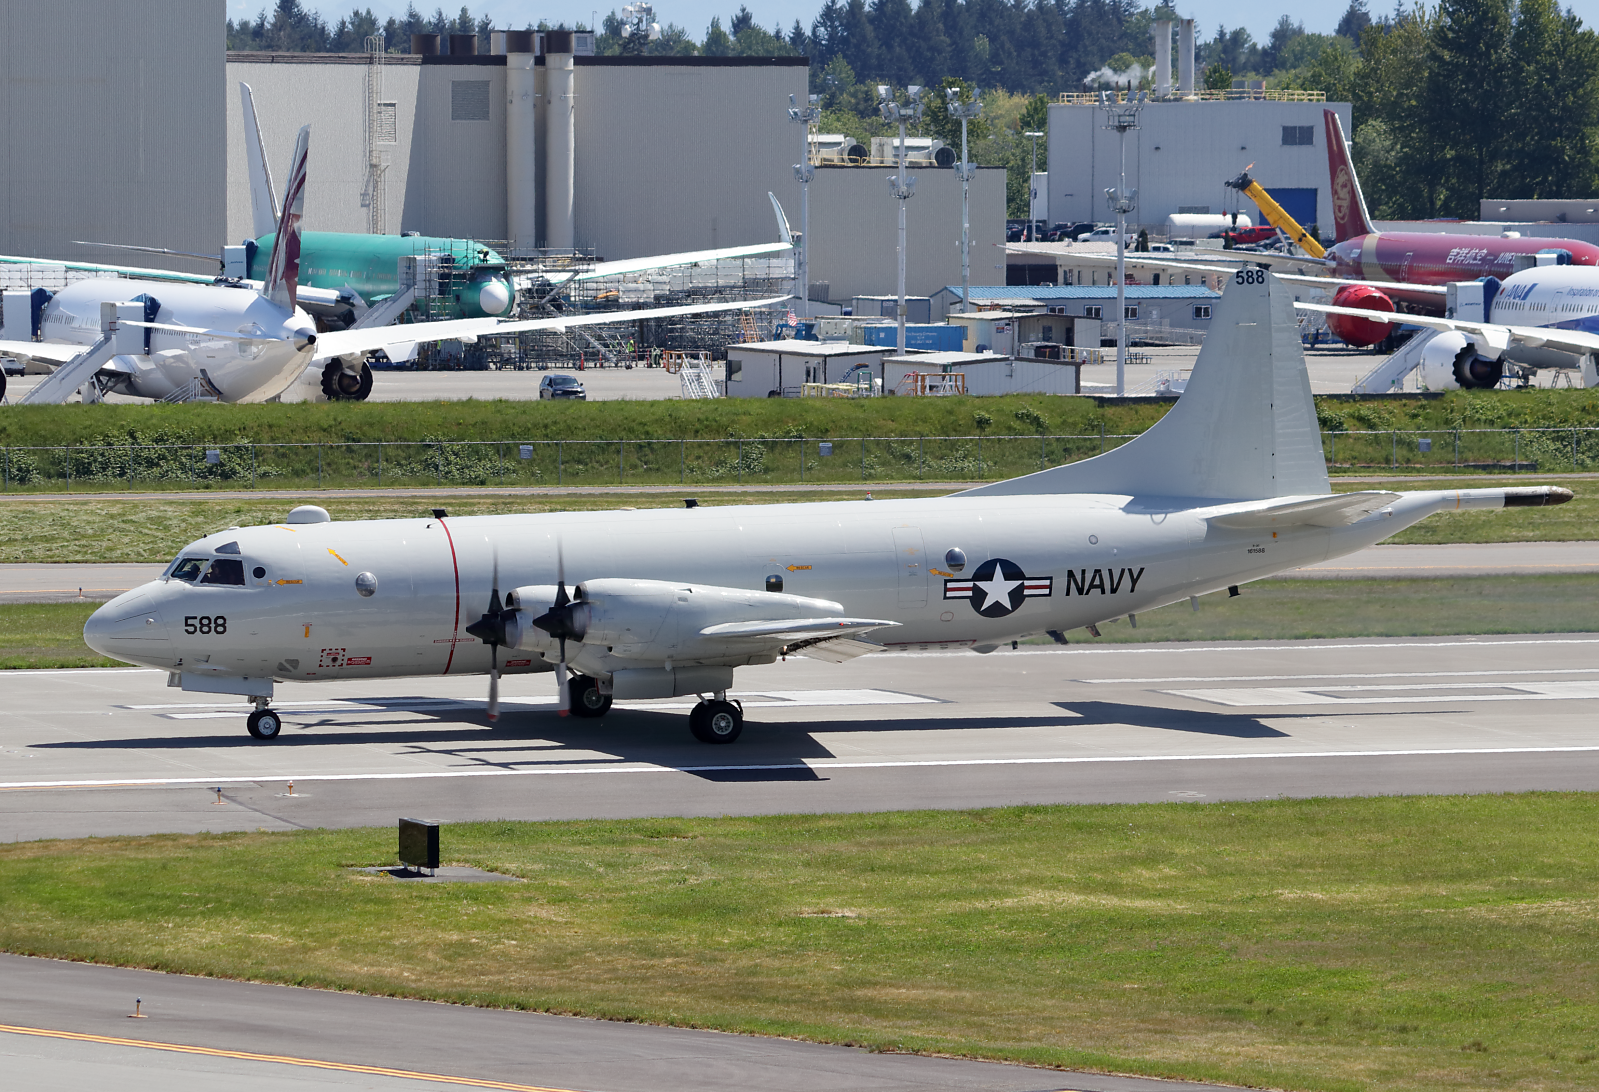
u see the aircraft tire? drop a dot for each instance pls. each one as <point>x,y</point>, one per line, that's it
<point>340,386</point>
<point>716,721</point>
<point>587,701</point>
<point>264,724</point>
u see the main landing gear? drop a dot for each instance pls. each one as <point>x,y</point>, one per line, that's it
<point>717,721</point>
<point>264,723</point>
<point>587,701</point>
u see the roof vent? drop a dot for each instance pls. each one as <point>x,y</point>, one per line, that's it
<point>309,513</point>
<point>228,548</point>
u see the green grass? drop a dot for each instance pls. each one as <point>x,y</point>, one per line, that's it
<point>47,635</point>
<point>1300,609</point>
<point>1430,943</point>
<point>51,634</point>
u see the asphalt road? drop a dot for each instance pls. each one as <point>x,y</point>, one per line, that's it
<point>20,583</point>
<point>102,752</point>
<point>302,1040</point>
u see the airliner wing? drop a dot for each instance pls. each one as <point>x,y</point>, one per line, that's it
<point>1234,260</point>
<point>118,270</point>
<point>49,352</point>
<point>1438,290</point>
<point>1490,338</point>
<point>688,257</point>
<point>345,342</point>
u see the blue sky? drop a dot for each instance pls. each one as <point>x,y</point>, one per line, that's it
<point>1257,16</point>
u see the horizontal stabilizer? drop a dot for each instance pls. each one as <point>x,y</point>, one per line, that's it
<point>383,314</point>
<point>1338,510</point>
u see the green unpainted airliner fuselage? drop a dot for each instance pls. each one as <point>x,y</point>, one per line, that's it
<point>473,282</point>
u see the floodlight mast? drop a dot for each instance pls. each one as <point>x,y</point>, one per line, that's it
<point>807,116</point>
<point>1032,191</point>
<point>1122,116</point>
<point>902,188</point>
<point>965,111</point>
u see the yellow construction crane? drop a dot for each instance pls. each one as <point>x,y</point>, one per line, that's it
<point>1274,213</point>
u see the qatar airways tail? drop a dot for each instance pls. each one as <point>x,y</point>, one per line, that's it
<point>1350,218</point>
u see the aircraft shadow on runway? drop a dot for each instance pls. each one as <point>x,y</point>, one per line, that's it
<point>534,739</point>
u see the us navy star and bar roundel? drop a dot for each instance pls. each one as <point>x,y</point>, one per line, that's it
<point>999,586</point>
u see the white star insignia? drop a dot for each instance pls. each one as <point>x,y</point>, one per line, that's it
<point>997,589</point>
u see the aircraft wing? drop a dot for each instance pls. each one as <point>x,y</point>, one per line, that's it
<point>1236,259</point>
<point>1437,290</point>
<point>1490,338</point>
<point>49,352</point>
<point>119,270</point>
<point>1337,510</point>
<point>344,342</point>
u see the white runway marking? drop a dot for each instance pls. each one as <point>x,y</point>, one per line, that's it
<point>1351,675</point>
<point>1399,693</point>
<point>1165,649</point>
<point>818,767</point>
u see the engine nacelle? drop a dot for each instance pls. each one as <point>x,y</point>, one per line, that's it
<point>1438,360</point>
<point>1476,372</point>
<point>1360,331</point>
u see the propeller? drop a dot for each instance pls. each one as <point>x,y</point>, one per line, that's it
<point>559,622</point>
<point>490,629</point>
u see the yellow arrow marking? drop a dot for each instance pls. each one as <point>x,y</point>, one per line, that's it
<point>335,553</point>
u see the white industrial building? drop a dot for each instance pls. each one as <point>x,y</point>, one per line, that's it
<point>111,120</point>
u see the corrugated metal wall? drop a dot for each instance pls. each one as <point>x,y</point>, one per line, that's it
<point>111,120</point>
<point>1182,155</point>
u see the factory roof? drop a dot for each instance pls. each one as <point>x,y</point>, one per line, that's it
<point>812,348</point>
<point>1084,292</point>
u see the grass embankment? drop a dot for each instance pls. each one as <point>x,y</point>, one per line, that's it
<point>726,441</point>
<point>51,635</point>
<point>1401,944</point>
<point>47,635</point>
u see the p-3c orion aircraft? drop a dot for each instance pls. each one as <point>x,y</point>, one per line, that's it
<point>1230,486</point>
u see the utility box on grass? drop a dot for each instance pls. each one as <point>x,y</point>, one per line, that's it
<point>419,844</point>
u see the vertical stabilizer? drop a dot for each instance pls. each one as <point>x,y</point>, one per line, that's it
<point>1244,429</point>
<point>263,196</point>
<point>283,271</point>
<point>1350,218</point>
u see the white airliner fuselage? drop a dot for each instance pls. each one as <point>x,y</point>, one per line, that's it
<point>240,370</point>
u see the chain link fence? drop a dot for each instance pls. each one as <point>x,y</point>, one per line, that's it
<point>750,461</point>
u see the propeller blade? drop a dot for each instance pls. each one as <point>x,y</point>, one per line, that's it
<point>562,683</point>
<point>494,687</point>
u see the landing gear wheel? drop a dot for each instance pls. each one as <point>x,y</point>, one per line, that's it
<point>587,701</point>
<point>341,386</point>
<point>716,721</point>
<point>264,724</point>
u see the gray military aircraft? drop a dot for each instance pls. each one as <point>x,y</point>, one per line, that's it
<point>1230,486</point>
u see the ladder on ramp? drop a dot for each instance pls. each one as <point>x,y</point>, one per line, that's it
<point>697,380</point>
<point>60,384</point>
<point>1390,372</point>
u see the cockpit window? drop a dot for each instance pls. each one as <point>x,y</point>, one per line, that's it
<point>225,570</point>
<point>188,569</point>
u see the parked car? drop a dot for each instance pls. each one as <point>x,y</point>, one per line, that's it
<point>13,366</point>
<point>561,386</point>
<point>1108,235</point>
<point>1064,232</point>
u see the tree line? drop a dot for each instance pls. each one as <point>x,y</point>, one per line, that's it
<point>1453,103</point>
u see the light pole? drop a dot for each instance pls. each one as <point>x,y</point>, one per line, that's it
<point>901,187</point>
<point>965,111</point>
<point>1122,116</point>
<point>1032,190</point>
<point>807,116</point>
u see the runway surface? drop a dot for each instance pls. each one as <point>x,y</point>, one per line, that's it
<point>300,1040</point>
<point>21,583</point>
<point>104,752</point>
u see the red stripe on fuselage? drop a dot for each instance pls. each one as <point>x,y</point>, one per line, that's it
<point>455,629</point>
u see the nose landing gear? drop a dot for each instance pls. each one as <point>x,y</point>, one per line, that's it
<point>717,721</point>
<point>264,723</point>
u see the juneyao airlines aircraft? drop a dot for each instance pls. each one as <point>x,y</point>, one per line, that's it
<point>1384,268</point>
<point>1230,486</point>
<point>239,344</point>
<point>1541,317</point>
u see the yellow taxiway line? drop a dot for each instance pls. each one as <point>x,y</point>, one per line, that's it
<point>283,1059</point>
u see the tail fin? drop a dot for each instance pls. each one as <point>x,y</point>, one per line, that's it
<point>1245,428</point>
<point>1350,217</point>
<point>283,271</point>
<point>263,195</point>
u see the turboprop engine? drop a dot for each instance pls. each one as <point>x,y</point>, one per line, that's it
<point>1360,331</point>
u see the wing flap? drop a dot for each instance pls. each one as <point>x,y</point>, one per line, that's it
<point>793,630</point>
<point>41,350</point>
<point>1337,510</point>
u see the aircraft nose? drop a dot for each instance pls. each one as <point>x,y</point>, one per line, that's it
<point>494,297</point>
<point>129,627</point>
